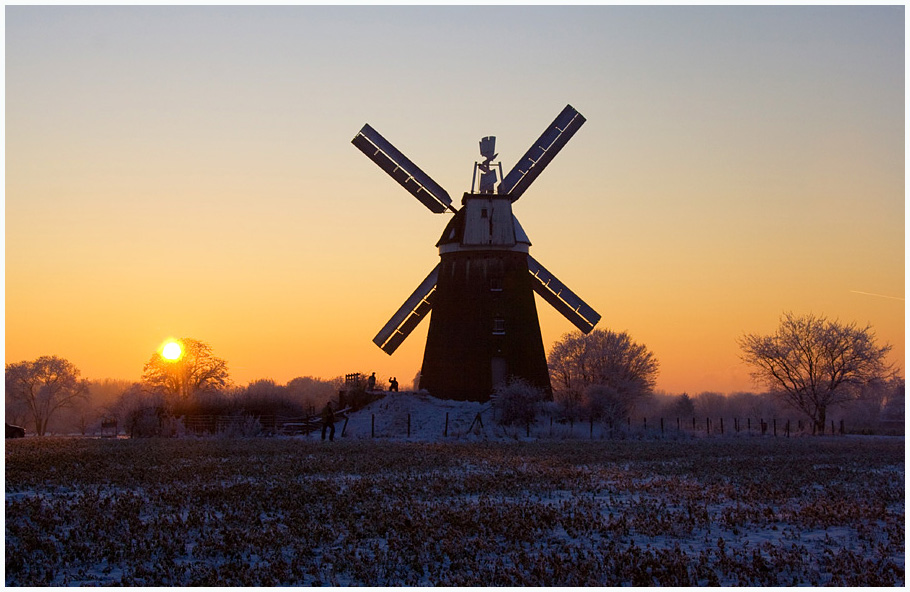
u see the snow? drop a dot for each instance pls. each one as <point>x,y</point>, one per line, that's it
<point>388,418</point>
<point>454,506</point>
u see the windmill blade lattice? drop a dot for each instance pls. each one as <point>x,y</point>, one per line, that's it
<point>541,152</point>
<point>406,319</point>
<point>400,168</point>
<point>562,298</point>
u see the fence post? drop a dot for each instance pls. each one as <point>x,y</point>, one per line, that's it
<point>591,431</point>
<point>646,424</point>
<point>343,428</point>
<point>775,427</point>
<point>842,427</point>
<point>832,427</point>
<point>693,422</point>
<point>721,426</point>
<point>528,432</point>
<point>708,425</point>
<point>409,425</point>
<point>661,426</point>
<point>788,428</point>
<point>677,424</point>
<point>446,430</point>
<point>372,425</point>
<point>749,424</point>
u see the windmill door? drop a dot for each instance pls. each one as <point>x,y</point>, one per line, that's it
<point>500,369</point>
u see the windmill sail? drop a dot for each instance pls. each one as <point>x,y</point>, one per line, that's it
<point>414,309</point>
<point>397,165</point>
<point>541,152</point>
<point>561,298</point>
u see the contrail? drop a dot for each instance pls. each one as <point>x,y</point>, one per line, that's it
<point>879,295</point>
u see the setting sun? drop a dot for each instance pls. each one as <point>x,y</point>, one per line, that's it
<point>171,350</point>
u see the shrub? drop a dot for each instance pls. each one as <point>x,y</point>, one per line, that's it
<point>517,402</point>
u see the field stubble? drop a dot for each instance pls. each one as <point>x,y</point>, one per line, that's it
<point>812,511</point>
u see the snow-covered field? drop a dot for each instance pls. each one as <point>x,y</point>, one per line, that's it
<point>481,509</point>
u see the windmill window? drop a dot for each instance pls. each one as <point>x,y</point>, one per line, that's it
<point>499,326</point>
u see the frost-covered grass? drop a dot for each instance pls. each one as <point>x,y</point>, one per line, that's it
<point>754,511</point>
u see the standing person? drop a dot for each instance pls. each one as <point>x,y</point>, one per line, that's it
<point>371,382</point>
<point>328,421</point>
<point>393,385</point>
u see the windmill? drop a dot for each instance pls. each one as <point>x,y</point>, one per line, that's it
<point>484,328</point>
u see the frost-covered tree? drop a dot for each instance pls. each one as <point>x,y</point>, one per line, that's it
<point>624,370</point>
<point>603,402</point>
<point>814,364</point>
<point>44,386</point>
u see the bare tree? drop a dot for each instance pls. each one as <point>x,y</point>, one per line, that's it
<point>44,386</point>
<point>813,364</point>
<point>196,370</point>
<point>625,370</point>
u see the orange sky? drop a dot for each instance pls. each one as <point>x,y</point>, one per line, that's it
<point>176,171</point>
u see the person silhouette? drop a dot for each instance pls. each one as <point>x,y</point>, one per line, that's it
<point>393,385</point>
<point>328,421</point>
<point>371,382</point>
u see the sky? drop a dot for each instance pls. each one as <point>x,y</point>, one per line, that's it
<point>188,172</point>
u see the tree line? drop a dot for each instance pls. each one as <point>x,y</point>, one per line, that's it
<point>48,395</point>
<point>811,367</point>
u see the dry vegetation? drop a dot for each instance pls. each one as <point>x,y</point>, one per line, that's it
<point>752,511</point>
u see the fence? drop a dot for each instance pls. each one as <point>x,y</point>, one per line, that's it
<point>543,427</point>
<point>716,426</point>
<point>552,427</point>
<point>201,425</point>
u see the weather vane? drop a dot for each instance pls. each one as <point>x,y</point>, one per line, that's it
<point>488,176</point>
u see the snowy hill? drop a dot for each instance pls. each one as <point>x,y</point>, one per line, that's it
<point>388,419</point>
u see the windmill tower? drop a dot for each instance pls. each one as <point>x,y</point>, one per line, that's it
<point>484,327</point>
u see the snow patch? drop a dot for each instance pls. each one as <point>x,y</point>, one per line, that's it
<point>388,418</point>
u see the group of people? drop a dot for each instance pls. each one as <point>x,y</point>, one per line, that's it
<point>371,383</point>
<point>328,414</point>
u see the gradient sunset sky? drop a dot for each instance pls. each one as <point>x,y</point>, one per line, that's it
<point>188,172</point>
